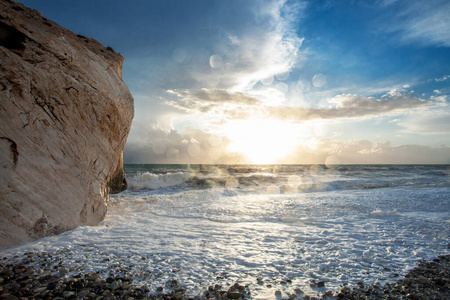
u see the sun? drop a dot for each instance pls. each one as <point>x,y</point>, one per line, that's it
<point>262,141</point>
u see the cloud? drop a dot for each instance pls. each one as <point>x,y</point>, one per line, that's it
<point>366,152</point>
<point>426,22</point>
<point>428,124</point>
<point>264,48</point>
<point>156,145</point>
<point>237,105</point>
<point>202,97</point>
<point>200,147</point>
<point>348,106</point>
<point>354,106</point>
<point>220,103</point>
<point>443,78</point>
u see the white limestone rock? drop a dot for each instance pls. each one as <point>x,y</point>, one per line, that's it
<point>65,114</point>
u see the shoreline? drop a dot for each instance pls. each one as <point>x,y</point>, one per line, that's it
<point>39,276</point>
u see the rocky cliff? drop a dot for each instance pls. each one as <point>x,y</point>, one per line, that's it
<point>65,114</point>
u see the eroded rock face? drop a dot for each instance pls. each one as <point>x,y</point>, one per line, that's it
<point>65,115</point>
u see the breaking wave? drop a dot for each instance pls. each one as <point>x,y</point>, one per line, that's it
<point>380,213</point>
<point>149,181</point>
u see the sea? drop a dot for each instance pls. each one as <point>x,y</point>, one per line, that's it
<point>269,227</point>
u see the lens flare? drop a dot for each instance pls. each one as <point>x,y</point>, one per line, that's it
<point>319,80</point>
<point>215,61</point>
<point>232,183</point>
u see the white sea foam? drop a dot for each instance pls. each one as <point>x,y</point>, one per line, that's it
<point>156,181</point>
<point>379,213</point>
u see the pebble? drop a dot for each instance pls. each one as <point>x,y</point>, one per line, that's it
<point>115,284</point>
<point>237,287</point>
<point>233,295</point>
<point>83,293</point>
<point>91,278</point>
<point>63,271</point>
<point>68,294</point>
<point>422,280</point>
<point>429,280</point>
<point>41,276</point>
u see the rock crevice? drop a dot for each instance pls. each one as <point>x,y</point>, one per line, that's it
<point>65,113</point>
<point>14,153</point>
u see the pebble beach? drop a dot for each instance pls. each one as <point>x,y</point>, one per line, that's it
<point>46,276</point>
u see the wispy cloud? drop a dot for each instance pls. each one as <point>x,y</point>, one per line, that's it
<point>428,124</point>
<point>443,78</point>
<point>424,22</point>
<point>268,47</point>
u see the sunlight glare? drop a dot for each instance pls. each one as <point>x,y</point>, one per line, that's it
<point>262,141</point>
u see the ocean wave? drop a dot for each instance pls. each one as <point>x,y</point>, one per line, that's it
<point>251,180</point>
<point>439,173</point>
<point>371,186</point>
<point>156,181</point>
<point>396,184</point>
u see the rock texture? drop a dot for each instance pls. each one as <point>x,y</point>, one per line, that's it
<point>65,114</point>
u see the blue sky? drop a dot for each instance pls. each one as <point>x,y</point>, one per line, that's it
<point>277,81</point>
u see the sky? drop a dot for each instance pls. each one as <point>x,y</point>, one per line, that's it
<point>277,81</point>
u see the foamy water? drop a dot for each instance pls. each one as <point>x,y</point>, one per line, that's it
<point>283,225</point>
